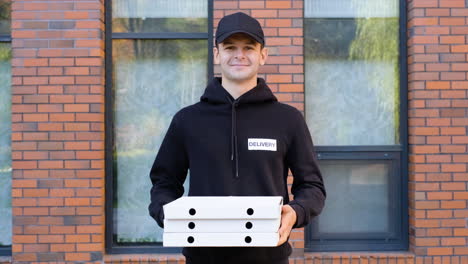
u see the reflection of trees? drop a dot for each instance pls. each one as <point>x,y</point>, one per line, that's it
<point>152,80</point>
<point>5,16</point>
<point>358,51</point>
<point>377,41</point>
<point>159,24</point>
<point>155,78</point>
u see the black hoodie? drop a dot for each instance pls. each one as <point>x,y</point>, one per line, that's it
<point>241,147</point>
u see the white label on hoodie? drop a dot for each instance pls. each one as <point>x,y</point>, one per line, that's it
<point>262,144</point>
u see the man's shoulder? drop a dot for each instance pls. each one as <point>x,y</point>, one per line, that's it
<point>287,110</point>
<point>187,111</point>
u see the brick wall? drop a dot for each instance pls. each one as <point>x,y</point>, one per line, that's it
<point>58,128</point>
<point>438,125</point>
<point>57,131</point>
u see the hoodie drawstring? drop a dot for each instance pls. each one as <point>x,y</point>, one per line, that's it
<point>234,137</point>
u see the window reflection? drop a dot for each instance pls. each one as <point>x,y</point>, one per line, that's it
<point>5,145</point>
<point>352,72</point>
<point>152,79</point>
<point>159,16</point>
<point>5,17</point>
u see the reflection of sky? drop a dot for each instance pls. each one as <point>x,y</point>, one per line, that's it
<point>148,93</point>
<point>351,102</point>
<point>159,8</point>
<point>350,8</point>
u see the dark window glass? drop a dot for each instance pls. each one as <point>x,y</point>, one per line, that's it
<point>5,17</point>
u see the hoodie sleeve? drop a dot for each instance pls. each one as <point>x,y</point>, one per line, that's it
<point>307,188</point>
<point>168,172</point>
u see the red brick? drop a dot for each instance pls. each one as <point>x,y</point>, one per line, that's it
<point>452,21</point>
<point>77,183</point>
<point>88,43</point>
<point>439,214</point>
<point>62,247</point>
<point>35,192</point>
<point>438,85</point>
<point>49,164</point>
<point>424,21</point>
<point>452,3</point>
<point>251,4</point>
<point>88,247</point>
<point>421,242</point>
<point>77,238</point>
<point>453,204</point>
<point>438,158</point>
<point>452,39</point>
<point>61,61</point>
<point>24,239</point>
<point>56,192</point>
<point>439,251</point>
<point>89,229</point>
<point>89,62</point>
<point>50,202</point>
<point>278,23</point>
<point>292,13</point>
<point>35,211</point>
<point>62,117</point>
<point>51,238</point>
<point>77,256</point>
<point>425,3</point>
<point>426,205</point>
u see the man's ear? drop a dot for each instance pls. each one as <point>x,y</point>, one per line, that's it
<point>263,56</point>
<point>216,55</point>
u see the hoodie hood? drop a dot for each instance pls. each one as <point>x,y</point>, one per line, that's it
<point>215,93</point>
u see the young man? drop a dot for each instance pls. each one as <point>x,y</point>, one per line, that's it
<point>239,141</point>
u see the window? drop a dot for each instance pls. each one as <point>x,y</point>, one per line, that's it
<point>158,58</point>
<point>5,129</point>
<point>355,107</point>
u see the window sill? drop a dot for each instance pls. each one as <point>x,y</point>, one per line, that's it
<point>118,258</point>
<point>360,255</point>
<point>5,259</point>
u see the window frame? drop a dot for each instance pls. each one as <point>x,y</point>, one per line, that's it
<point>135,248</point>
<point>6,38</point>
<point>396,154</point>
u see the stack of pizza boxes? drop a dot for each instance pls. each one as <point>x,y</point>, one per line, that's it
<point>232,221</point>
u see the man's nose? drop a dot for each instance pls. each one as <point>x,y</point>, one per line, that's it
<point>240,53</point>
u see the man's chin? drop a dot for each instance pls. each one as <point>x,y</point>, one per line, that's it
<point>239,79</point>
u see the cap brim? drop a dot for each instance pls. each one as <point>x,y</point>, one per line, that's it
<point>226,35</point>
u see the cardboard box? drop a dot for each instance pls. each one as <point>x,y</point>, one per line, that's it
<point>224,207</point>
<point>221,225</point>
<point>222,221</point>
<point>220,239</point>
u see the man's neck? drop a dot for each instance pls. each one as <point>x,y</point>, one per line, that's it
<point>236,89</point>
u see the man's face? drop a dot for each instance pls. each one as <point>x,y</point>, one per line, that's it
<point>240,57</point>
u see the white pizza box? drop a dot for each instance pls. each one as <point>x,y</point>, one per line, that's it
<point>220,239</point>
<point>224,207</point>
<point>222,225</point>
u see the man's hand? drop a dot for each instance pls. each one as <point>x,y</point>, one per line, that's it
<point>288,219</point>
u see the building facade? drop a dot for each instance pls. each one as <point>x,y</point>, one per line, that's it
<point>89,87</point>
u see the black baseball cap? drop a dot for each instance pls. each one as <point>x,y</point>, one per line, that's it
<point>239,23</point>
